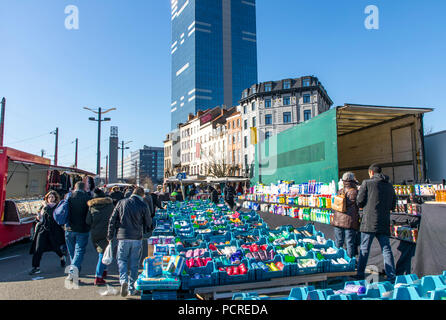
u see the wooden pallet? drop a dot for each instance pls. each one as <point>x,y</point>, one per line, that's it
<point>273,286</point>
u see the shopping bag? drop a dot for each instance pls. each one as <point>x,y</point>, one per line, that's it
<point>108,254</point>
<point>61,212</point>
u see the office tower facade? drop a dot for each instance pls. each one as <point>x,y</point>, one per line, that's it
<point>113,156</point>
<point>143,163</point>
<point>214,54</point>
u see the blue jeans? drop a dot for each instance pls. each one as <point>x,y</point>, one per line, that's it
<point>348,236</point>
<point>76,244</point>
<point>366,243</point>
<point>129,256</point>
<point>100,267</point>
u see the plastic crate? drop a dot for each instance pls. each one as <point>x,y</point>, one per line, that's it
<point>349,296</point>
<point>225,279</point>
<point>406,279</point>
<point>260,242</point>
<point>168,283</point>
<point>411,292</point>
<point>295,270</point>
<point>188,240</point>
<point>320,294</point>
<point>431,283</point>
<point>262,275</point>
<point>329,266</point>
<point>376,290</point>
<point>300,293</point>
<point>188,281</point>
<point>249,296</point>
<point>219,238</point>
<point>159,295</point>
<point>255,233</point>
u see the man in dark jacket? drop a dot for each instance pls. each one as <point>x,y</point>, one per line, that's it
<point>116,195</point>
<point>77,230</point>
<point>129,221</point>
<point>377,198</point>
<point>229,192</point>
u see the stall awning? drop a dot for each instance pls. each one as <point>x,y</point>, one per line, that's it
<point>352,117</point>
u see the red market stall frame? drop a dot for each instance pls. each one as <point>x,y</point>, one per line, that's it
<point>24,179</point>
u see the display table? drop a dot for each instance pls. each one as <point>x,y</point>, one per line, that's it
<point>403,251</point>
<point>430,255</point>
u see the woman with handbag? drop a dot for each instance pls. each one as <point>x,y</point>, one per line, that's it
<point>49,236</point>
<point>99,213</point>
<point>346,215</point>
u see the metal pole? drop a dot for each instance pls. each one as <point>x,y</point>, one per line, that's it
<point>106,170</point>
<point>98,170</point>
<point>75,156</point>
<point>122,162</point>
<point>57,142</point>
<point>2,123</point>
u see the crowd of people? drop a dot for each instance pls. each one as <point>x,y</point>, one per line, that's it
<point>124,215</point>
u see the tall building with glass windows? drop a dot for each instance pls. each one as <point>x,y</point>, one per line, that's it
<point>214,54</point>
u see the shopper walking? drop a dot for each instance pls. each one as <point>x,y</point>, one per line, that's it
<point>214,195</point>
<point>77,230</point>
<point>49,236</point>
<point>90,186</point>
<point>346,224</point>
<point>229,193</point>
<point>378,198</point>
<point>99,213</point>
<point>116,195</point>
<point>129,221</point>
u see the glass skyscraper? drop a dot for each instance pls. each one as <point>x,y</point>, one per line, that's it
<point>214,54</point>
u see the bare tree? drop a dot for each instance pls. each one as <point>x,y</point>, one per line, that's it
<point>428,130</point>
<point>147,183</point>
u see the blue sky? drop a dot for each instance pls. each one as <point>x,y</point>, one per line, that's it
<point>120,57</point>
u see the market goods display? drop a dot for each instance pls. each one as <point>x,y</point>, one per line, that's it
<point>193,253</point>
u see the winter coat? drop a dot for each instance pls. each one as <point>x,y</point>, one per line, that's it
<point>149,201</point>
<point>116,196</point>
<point>130,219</point>
<point>99,213</point>
<point>49,236</point>
<point>229,194</point>
<point>378,199</point>
<point>78,209</point>
<point>349,219</point>
<point>214,196</point>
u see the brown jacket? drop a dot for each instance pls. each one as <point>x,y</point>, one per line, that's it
<point>350,219</point>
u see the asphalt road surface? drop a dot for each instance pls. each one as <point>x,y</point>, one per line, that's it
<point>17,284</point>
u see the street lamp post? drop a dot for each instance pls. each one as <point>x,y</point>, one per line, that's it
<point>99,120</point>
<point>122,157</point>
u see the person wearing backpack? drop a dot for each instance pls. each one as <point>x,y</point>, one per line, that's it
<point>346,222</point>
<point>99,213</point>
<point>77,230</point>
<point>49,236</point>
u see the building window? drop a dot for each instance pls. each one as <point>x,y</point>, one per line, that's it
<point>267,135</point>
<point>253,121</point>
<point>307,98</point>
<point>253,90</point>
<point>268,87</point>
<point>244,109</point>
<point>253,106</point>
<point>238,123</point>
<point>268,119</point>
<point>245,94</point>
<point>305,82</point>
<point>307,115</point>
<point>286,101</point>
<point>245,124</point>
<point>245,141</point>
<point>287,84</point>
<point>267,103</point>
<point>229,125</point>
<point>286,117</point>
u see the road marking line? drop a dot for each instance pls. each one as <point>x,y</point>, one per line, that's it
<point>5,258</point>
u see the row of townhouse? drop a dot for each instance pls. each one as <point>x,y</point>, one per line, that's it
<point>222,138</point>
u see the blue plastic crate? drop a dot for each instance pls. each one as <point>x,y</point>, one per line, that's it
<point>295,270</point>
<point>219,238</point>
<point>349,296</point>
<point>376,290</point>
<point>331,267</point>
<point>300,293</point>
<point>169,283</point>
<point>406,279</point>
<point>320,294</point>
<point>438,295</point>
<point>410,292</point>
<point>249,296</point>
<point>431,283</point>
<point>255,233</point>
<point>186,240</point>
<point>188,281</point>
<point>262,275</point>
<point>164,295</point>
<point>225,279</point>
